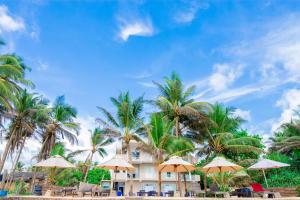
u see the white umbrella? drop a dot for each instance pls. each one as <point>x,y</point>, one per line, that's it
<point>176,164</point>
<point>117,163</point>
<point>55,162</point>
<point>220,164</point>
<point>267,164</point>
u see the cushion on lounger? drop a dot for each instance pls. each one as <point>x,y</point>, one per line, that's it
<point>257,187</point>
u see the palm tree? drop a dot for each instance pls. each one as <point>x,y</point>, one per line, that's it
<point>220,133</point>
<point>98,143</point>
<point>176,103</point>
<point>162,143</point>
<point>12,73</point>
<point>128,121</point>
<point>60,125</point>
<point>288,139</point>
<point>159,134</point>
<point>29,111</point>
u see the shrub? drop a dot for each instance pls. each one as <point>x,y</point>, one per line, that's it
<point>95,175</point>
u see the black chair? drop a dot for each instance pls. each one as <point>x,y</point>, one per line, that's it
<point>170,193</point>
<point>243,192</point>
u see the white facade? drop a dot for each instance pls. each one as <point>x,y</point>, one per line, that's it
<point>145,176</point>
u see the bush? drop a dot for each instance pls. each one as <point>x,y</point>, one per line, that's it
<point>68,177</point>
<point>96,175</point>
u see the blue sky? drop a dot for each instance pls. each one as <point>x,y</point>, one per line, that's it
<point>245,54</point>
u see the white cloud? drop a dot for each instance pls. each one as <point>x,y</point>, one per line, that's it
<point>9,23</point>
<point>147,84</point>
<point>189,14</point>
<point>272,61</point>
<point>224,75</point>
<point>42,66</point>
<point>289,103</point>
<point>245,114</point>
<point>136,27</point>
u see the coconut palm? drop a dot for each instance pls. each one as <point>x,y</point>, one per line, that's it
<point>12,73</point>
<point>29,111</point>
<point>176,103</point>
<point>220,133</point>
<point>127,122</point>
<point>288,139</point>
<point>60,125</point>
<point>98,143</point>
<point>162,143</point>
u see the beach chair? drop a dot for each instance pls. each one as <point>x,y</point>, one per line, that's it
<point>215,191</point>
<point>84,189</point>
<point>258,190</point>
<point>170,193</point>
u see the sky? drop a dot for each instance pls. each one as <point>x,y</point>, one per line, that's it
<point>245,54</point>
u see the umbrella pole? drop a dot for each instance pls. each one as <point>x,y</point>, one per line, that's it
<point>205,182</point>
<point>179,185</point>
<point>265,178</point>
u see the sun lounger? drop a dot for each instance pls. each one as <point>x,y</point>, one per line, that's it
<point>215,191</point>
<point>85,189</point>
<point>258,190</point>
<point>170,193</point>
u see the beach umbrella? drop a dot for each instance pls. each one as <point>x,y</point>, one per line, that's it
<point>54,162</point>
<point>220,164</point>
<point>176,164</point>
<point>264,164</point>
<point>117,164</point>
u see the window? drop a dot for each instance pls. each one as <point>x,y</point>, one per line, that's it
<point>135,155</point>
<point>169,174</point>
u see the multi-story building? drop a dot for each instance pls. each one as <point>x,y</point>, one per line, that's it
<point>145,176</point>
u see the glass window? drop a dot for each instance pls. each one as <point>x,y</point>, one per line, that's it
<point>135,155</point>
<point>169,174</point>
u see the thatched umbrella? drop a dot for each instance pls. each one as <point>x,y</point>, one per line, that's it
<point>53,163</point>
<point>176,164</point>
<point>117,164</point>
<point>267,164</point>
<point>217,165</point>
<point>220,164</point>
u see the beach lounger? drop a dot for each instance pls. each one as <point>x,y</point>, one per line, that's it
<point>215,191</point>
<point>258,190</point>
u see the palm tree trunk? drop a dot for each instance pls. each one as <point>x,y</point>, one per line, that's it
<point>6,150</point>
<point>179,184</point>
<point>159,181</point>
<point>185,187</point>
<point>88,166</point>
<point>130,161</point>
<point>177,126</point>
<point>205,183</point>
<point>16,162</point>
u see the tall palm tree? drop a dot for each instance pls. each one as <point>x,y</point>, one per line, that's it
<point>159,134</point>
<point>127,122</point>
<point>60,125</point>
<point>176,103</point>
<point>98,143</point>
<point>220,133</point>
<point>29,111</point>
<point>162,143</point>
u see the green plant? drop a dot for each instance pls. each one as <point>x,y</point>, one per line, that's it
<point>95,175</point>
<point>19,187</point>
<point>68,177</point>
